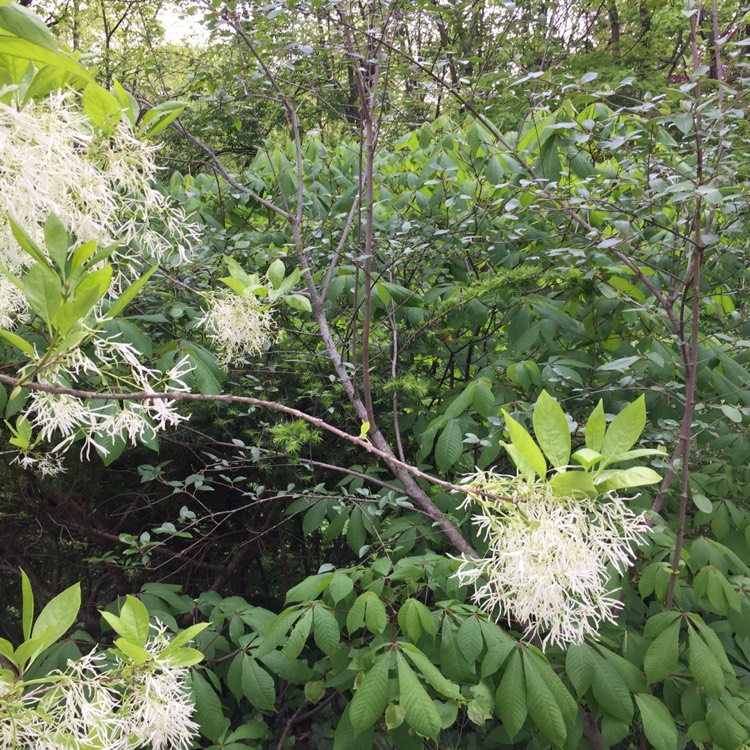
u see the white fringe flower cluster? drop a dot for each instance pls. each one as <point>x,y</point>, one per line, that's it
<point>63,418</point>
<point>52,162</point>
<point>550,558</point>
<point>239,325</point>
<point>95,705</point>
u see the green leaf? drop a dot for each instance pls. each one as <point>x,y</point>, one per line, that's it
<point>452,661</point>
<point>658,724</point>
<point>620,479</point>
<point>127,101</point>
<point>276,272</point>
<point>661,656</point>
<point>346,738</point>
<point>14,47</point>
<point>59,614</point>
<point>185,636</point>
<point>340,587</point>
<point>469,639</point>
<point>431,673</point>
<point>716,646</point>
<point>130,293</point>
<point>499,647</point>
<point>551,430</point>
<point>611,692</point>
<point>484,398</point>
<point>375,615</point>
<point>22,433</point>
<point>409,619</point>
<point>208,711</point>
<point>56,240</point>
<point>708,672</point>
<point>257,685</point>
<point>308,589</point>
<point>449,446</point>
<point>185,657</point>
<point>573,484</point>
<point>595,428</point>
<point>297,302</point>
<point>27,607</point>
<point>510,698</point>
<point>101,107</point>
<point>542,706</point>
<point>325,629</point>
<point>624,430</point>
<point>356,534</point>
<point>526,447</point>
<point>355,618</point>
<point>580,666</point>
<point>371,697</point>
<point>159,117</point>
<point>133,651</point>
<point>421,714</point>
<point>43,292</point>
<point>18,342</point>
<point>298,637</point>
<point>563,698</point>
<point>394,716</point>
<point>725,730</point>
<point>133,621</point>
<point>27,25</point>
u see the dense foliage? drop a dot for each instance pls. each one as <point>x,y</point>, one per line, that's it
<point>413,360</point>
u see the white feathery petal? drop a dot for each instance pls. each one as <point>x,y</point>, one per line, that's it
<point>550,558</point>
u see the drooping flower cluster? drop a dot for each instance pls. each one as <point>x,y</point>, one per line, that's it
<point>94,704</point>
<point>100,187</point>
<point>550,559</point>
<point>64,418</point>
<point>239,325</point>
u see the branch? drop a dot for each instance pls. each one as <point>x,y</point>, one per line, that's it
<point>413,491</point>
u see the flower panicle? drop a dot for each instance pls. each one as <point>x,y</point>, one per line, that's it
<point>549,558</point>
<point>97,705</point>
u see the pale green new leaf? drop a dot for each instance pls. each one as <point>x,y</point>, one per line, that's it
<point>101,107</point>
<point>134,619</point>
<point>59,614</point>
<point>56,240</point>
<point>595,429</point>
<point>624,430</point>
<point>525,445</point>
<point>130,293</point>
<point>18,342</point>
<point>137,654</point>
<point>276,272</point>
<point>27,607</point>
<point>620,479</point>
<point>551,430</point>
<point>573,484</point>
